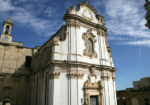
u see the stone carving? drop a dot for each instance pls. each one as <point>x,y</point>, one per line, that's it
<point>87,5</point>
<point>113,76</point>
<point>101,32</point>
<point>87,99</point>
<point>93,89</point>
<point>85,37</point>
<point>92,70</point>
<point>109,51</point>
<point>73,24</point>
<point>75,75</point>
<point>105,75</point>
<point>56,41</point>
<point>87,15</point>
<point>54,75</point>
<point>101,19</point>
<point>104,67</point>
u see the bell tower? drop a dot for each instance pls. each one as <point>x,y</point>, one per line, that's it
<point>6,33</point>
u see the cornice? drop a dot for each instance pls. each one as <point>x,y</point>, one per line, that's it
<point>100,67</point>
<point>80,19</point>
<point>73,24</point>
<point>104,67</point>
<point>54,75</point>
<point>75,75</point>
<point>11,44</point>
<point>8,21</point>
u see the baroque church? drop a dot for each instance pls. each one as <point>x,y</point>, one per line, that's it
<point>74,67</point>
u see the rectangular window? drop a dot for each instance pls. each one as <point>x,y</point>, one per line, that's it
<point>93,100</point>
<point>28,61</point>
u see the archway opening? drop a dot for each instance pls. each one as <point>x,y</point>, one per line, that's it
<point>7,30</point>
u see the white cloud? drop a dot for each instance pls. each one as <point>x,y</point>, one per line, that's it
<point>6,6</point>
<point>139,43</point>
<point>125,18</point>
<point>28,19</point>
<point>49,12</point>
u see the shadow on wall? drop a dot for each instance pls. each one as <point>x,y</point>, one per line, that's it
<point>14,87</point>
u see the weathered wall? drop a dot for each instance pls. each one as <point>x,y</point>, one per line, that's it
<point>12,58</point>
<point>133,98</point>
<point>13,74</point>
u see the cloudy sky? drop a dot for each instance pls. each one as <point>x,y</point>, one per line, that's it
<point>36,20</point>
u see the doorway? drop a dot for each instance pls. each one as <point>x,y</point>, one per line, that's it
<point>93,100</point>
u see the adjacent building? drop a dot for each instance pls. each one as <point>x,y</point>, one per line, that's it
<point>143,83</point>
<point>74,67</point>
<point>147,16</point>
<point>138,95</point>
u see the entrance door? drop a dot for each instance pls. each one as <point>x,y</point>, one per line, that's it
<point>93,100</point>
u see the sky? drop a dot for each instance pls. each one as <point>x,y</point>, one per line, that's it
<point>35,21</point>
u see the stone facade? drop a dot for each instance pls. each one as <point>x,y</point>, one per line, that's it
<point>74,67</point>
<point>133,97</point>
<point>142,83</point>
<point>138,95</point>
<point>14,75</point>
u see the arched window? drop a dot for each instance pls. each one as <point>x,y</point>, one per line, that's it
<point>90,47</point>
<point>7,30</point>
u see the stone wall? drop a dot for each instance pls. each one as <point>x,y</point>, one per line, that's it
<point>14,75</point>
<point>133,98</point>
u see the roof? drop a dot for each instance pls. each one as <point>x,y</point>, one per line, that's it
<point>8,21</point>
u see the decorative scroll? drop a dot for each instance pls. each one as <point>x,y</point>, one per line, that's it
<point>73,24</point>
<point>75,75</point>
<point>56,41</point>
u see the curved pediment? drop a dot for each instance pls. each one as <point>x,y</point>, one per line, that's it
<point>86,12</point>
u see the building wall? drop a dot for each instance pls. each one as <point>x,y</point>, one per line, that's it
<point>133,98</point>
<point>67,90</point>
<point>143,83</point>
<point>62,72</point>
<point>63,68</point>
<point>12,58</point>
<point>13,74</point>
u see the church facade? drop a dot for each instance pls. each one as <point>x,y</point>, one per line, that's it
<point>74,67</point>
